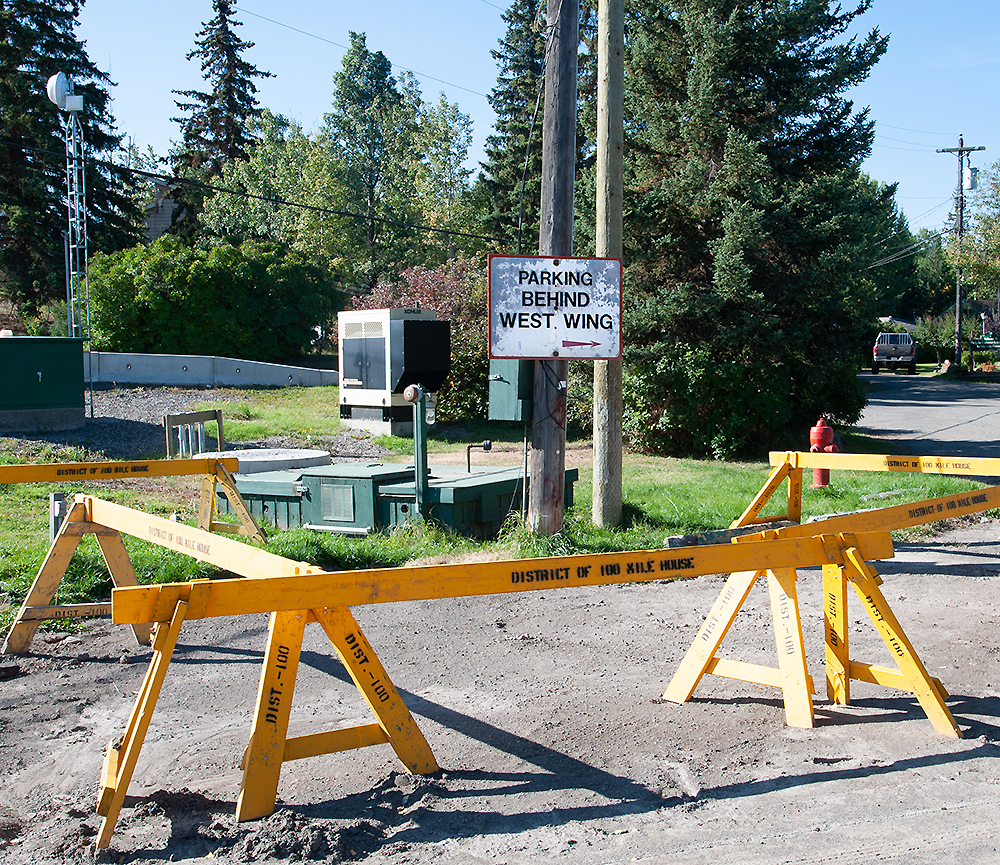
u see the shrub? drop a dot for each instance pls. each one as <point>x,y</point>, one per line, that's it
<point>455,290</point>
<point>257,301</point>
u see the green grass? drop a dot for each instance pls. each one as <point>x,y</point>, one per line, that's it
<point>299,412</point>
<point>662,497</point>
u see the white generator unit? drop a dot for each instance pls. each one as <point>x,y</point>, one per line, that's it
<point>382,352</point>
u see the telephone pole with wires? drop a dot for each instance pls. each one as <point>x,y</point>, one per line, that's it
<point>961,150</point>
<point>548,425</point>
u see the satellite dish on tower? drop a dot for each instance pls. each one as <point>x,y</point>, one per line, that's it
<point>58,89</point>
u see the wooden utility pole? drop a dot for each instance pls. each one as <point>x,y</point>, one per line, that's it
<point>607,507</point>
<point>548,428</point>
<point>961,150</point>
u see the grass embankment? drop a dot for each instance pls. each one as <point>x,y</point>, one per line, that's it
<point>662,497</point>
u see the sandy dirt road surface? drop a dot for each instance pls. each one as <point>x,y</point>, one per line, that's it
<point>544,711</point>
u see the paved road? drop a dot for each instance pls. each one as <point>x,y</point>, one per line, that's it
<point>934,416</point>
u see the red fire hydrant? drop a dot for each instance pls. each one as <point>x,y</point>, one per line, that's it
<point>821,442</point>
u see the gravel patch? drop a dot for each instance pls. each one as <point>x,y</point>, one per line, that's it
<point>127,424</point>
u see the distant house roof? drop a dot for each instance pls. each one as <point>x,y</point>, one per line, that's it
<point>160,211</point>
<point>908,326</point>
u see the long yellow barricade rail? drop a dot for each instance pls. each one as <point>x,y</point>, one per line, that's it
<point>971,466</point>
<point>216,473</point>
<point>701,658</point>
<point>113,470</point>
<point>296,594</point>
<point>789,465</point>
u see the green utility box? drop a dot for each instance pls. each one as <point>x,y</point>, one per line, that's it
<point>343,498</point>
<point>43,383</point>
<point>474,504</point>
<point>512,384</point>
<point>356,498</point>
<point>338,498</point>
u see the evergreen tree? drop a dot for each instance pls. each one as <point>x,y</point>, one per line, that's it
<point>371,132</point>
<point>748,225</point>
<point>217,127</point>
<point>893,255</point>
<point>514,99</point>
<point>37,40</point>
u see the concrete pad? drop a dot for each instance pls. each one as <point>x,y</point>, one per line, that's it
<point>254,460</point>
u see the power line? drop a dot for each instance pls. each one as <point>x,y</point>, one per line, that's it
<point>171,180</point>
<point>906,250</point>
<point>346,48</point>
<point>907,129</point>
<point>901,141</point>
<point>907,149</point>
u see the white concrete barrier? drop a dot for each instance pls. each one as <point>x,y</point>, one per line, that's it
<point>194,370</point>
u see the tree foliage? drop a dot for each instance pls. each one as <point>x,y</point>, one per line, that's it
<point>748,222</point>
<point>444,135</point>
<point>37,40</point>
<point>372,130</point>
<point>455,290</point>
<point>933,274</point>
<point>257,301</point>
<point>216,128</point>
<point>979,254</point>
<point>284,165</point>
<point>514,99</point>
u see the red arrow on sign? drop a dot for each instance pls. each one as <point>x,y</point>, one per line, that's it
<point>567,343</point>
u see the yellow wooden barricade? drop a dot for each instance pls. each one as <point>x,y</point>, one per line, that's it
<point>701,657</point>
<point>37,606</point>
<point>789,465</point>
<point>295,594</point>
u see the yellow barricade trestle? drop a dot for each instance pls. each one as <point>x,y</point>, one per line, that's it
<point>38,607</point>
<point>296,594</point>
<point>791,675</point>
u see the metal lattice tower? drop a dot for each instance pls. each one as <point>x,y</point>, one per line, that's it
<point>60,92</point>
<point>77,287</point>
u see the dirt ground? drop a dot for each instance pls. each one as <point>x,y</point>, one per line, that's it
<point>544,711</point>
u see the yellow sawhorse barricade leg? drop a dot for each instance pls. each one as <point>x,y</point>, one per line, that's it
<point>37,603</point>
<point>791,675</point>
<point>269,746</point>
<point>840,669</point>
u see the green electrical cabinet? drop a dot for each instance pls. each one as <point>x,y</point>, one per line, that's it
<point>43,383</point>
<point>357,498</point>
<point>343,498</point>
<point>512,384</point>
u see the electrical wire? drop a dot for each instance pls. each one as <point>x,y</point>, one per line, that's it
<point>548,29</point>
<point>346,48</point>
<point>173,181</point>
<point>906,250</point>
<point>918,131</point>
<point>901,141</point>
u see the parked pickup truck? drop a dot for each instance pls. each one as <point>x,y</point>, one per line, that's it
<point>894,351</point>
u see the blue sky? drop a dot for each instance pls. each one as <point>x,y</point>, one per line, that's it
<point>940,77</point>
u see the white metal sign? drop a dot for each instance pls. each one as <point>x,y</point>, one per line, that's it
<point>546,307</point>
